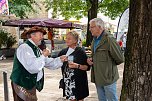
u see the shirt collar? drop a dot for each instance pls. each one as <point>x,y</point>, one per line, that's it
<point>32,42</point>
<point>99,37</point>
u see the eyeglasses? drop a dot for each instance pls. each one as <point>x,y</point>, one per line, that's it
<point>91,27</point>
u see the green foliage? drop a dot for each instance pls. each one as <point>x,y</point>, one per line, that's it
<point>80,8</point>
<point>84,43</point>
<point>67,8</point>
<point>89,8</point>
<point>21,7</point>
<point>113,8</point>
<point>7,39</point>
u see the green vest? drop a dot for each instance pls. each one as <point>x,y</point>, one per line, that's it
<point>22,77</point>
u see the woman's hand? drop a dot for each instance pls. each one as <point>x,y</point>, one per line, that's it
<point>78,66</point>
<point>73,65</point>
<point>90,61</point>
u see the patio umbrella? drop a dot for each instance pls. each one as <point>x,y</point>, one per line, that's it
<point>53,23</point>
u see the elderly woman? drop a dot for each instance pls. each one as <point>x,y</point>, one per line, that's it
<point>74,70</point>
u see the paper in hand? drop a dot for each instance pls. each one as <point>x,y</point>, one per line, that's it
<point>70,50</point>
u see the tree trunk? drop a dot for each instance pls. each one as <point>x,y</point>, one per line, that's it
<point>137,77</point>
<point>92,13</point>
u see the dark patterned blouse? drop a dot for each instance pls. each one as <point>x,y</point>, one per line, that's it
<point>75,80</point>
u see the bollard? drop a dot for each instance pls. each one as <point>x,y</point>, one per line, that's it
<point>6,95</point>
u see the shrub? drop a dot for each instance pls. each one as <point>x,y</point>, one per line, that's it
<point>84,43</point>
<point>6,39</point>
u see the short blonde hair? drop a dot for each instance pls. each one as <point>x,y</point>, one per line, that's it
<point>74,34</point>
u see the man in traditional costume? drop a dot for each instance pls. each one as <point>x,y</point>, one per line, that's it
<point>28,68</point>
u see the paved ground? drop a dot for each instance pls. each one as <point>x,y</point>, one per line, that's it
<point>51,92</point>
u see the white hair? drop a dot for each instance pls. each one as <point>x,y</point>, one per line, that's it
<point>98,22</point>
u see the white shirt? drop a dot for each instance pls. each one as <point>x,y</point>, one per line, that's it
<point>33,64</point>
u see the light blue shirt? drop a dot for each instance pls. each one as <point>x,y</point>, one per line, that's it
<point>97,40</point>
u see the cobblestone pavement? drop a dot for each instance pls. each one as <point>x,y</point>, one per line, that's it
<point>51,92</point>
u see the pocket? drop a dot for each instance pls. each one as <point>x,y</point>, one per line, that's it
<point>102,54</point>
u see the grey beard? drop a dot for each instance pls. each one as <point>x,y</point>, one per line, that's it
<point>39,43</point>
